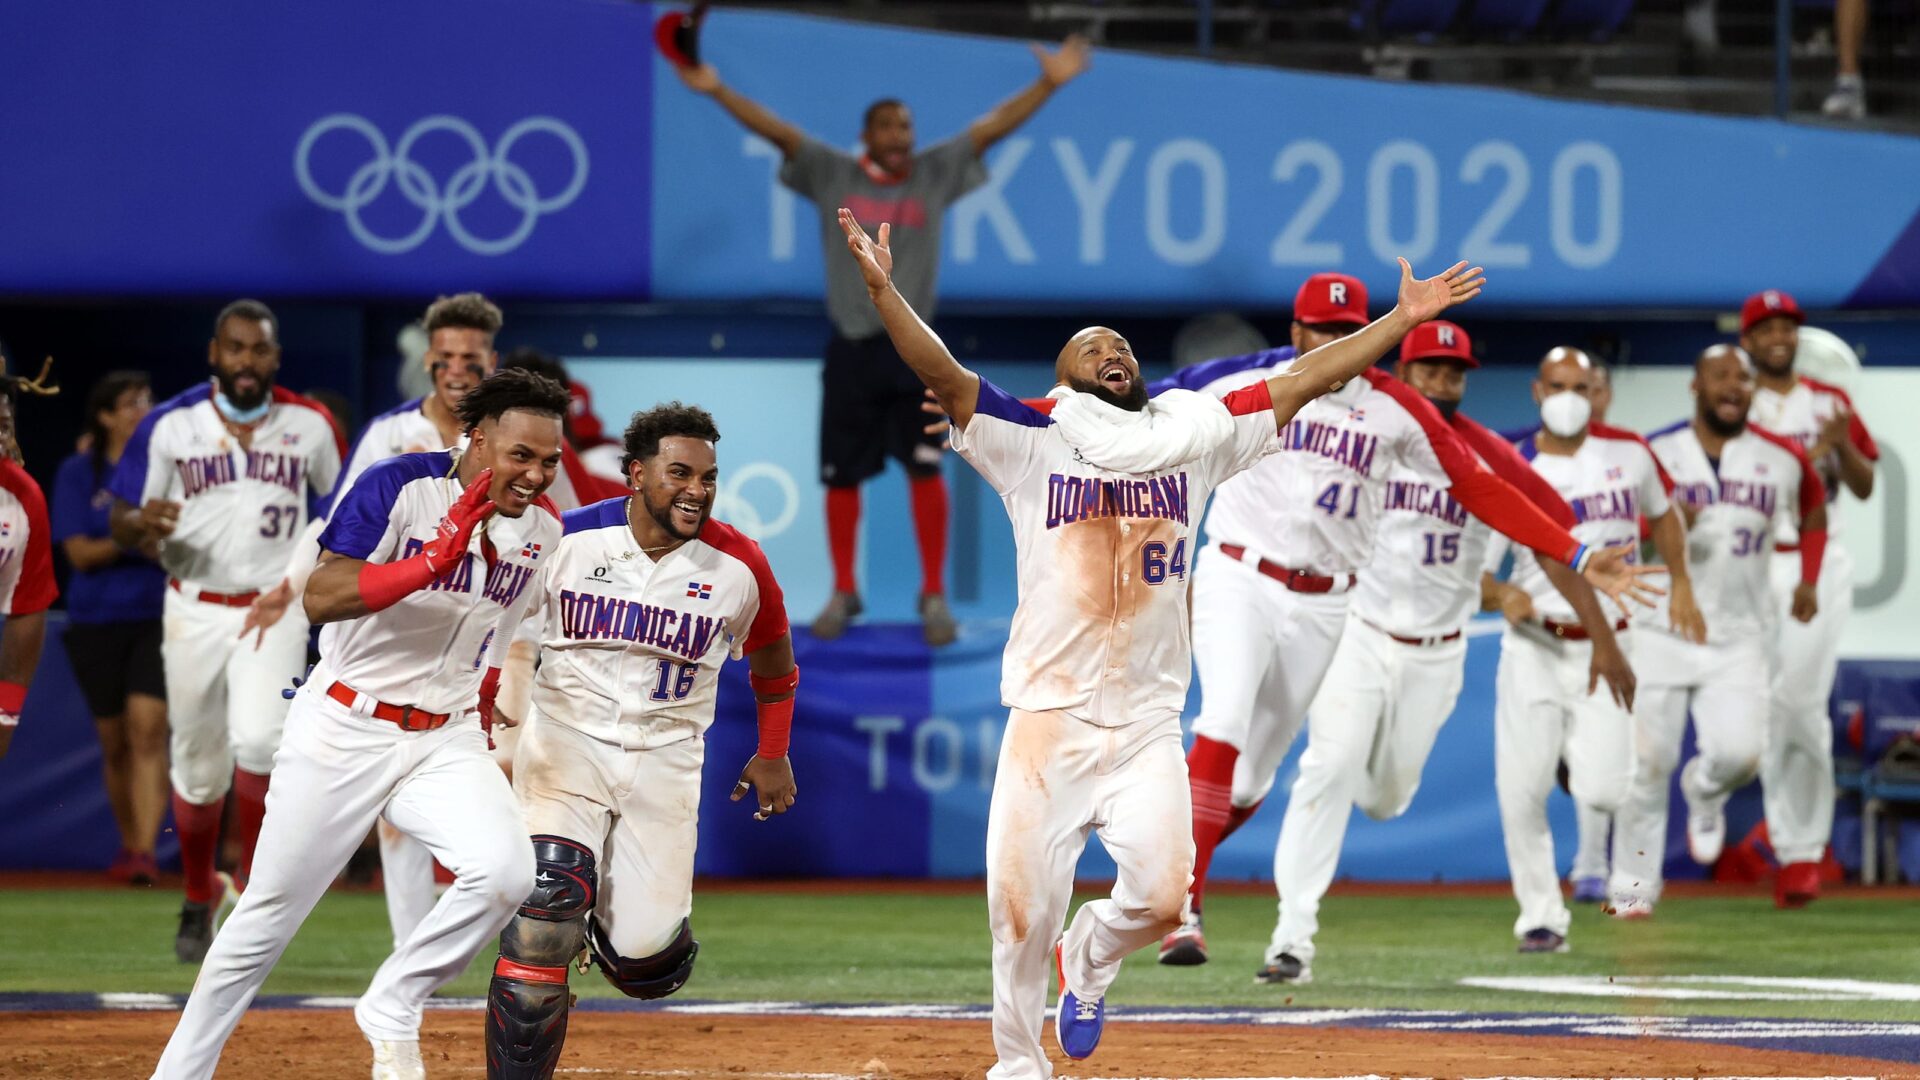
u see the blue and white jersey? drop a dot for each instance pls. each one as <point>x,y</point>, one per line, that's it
<point>243,507</point>
<point>1101,630</point>
<point>631,646</point>
<point>432,648</point>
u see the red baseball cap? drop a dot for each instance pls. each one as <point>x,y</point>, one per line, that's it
<point>1330,298</point>
<point>1438,340</point>
<point>1767,303</point>
<point>587,429</point>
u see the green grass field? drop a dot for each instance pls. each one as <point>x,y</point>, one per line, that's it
<point>1375,951</point>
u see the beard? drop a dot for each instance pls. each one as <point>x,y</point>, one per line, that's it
<point>262,387</point>
<point>663,516</point>
<point>1134,400</point>
<point>1721,427</point>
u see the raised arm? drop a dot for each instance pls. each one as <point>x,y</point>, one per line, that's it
<point>957,388</point>
<point>1328,367</point>
<point>752,115</point>
<point>1057,68</point>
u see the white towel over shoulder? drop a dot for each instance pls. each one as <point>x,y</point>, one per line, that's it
<point>1175,428</point>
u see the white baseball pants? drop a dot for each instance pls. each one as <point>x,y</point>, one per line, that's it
<point>638,811</point>
<point>1725,686</point>
<point>1796,771</point>
<point>1368,736</point>
<point>223,695</point>
<point>338,771</point>
<point>1261,651</point>
<point>1542,713</point>
<point>1058,780</point>
<point>1592,831</point>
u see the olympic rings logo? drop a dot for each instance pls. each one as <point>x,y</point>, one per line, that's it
<point>418,186</point>
<point>735,508</point>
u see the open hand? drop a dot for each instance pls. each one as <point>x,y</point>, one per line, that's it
<point>1424,300</point>
<point>772,780</point>
<point>874,256</point>
<point>267,609</point>
<point>1063,65</point>
<point>1611,573</point>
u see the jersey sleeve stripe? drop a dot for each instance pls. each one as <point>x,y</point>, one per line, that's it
<point>1856,428</point>
<point>366,512</point>
<point>1508,465</point>
<point>284,396</point>
<point>35,590</point>
<point>600,515</point>
<point>1199,376</point>
<point>770,620</point>
<point>1607,431</point>
<point>1249,400</point>
<point>1001,405</point>
<point>1813,491</point>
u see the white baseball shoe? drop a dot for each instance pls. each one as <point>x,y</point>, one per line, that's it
<point>397,1059</point>
<point>1706,819</point>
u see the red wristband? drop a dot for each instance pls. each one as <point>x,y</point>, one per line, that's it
<point>383,585</point>
<point>13,697</point>
<point>776,727</point>
<point>1813,550</point>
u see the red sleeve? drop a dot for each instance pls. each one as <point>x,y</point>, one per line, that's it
<point>35,590</point>
<point>770,624</point>
<point>588,486</point>
<point>1254,399</point>
<point>1508,465</point>
<point>1041,405</point>
<point>1813,492</point>
<point>1857,432</point>
<point>1480,492</point>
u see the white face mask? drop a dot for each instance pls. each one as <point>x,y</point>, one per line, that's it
<point>1566,413</point>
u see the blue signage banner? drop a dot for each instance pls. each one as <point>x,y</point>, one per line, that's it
<point>405,147</point>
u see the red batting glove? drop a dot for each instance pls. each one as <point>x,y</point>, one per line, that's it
<point>489,690</point>
<point>383,585</point>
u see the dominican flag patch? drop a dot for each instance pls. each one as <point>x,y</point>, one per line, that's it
<point>1761,469</point>
<point>1616,473</point>
<point>290,439</point>
<point>531,552</point>
<point>697,591</point>
<point>6,529</point>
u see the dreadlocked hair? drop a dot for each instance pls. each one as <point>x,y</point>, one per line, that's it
<point>509,389</point>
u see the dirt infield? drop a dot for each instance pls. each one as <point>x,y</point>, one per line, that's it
<point>324,1045</point>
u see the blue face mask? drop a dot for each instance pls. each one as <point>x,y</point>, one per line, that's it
<point>239,415</point>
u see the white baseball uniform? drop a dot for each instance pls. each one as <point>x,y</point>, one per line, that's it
<point>1095,676</point>
<point>1796,771</point>
<point>1738,501</point>
<point>631,649</point>
<point>1542,711</point>
<point>1394,677</point>
<point>343,766</point>
<point>243,511</point>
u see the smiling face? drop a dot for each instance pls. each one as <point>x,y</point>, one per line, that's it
<point>676,485</point>
<point>1772,343</point>
<point>458,357</point>
<point>522,448</point>
<point>1099,361</point>
<point>888,136</point>
<point>245,356</point>
<point>1723,382</point>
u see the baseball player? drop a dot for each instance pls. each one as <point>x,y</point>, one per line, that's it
<point>645,599</point>
<point>26,563</point>
<point>1796,770</point>
<point>1734,482</point>
<point>1593,828</point>
<point>222,478</point>
<point>869,407</point>
<point>1397,670</point>
<point>429,562</point>
<point>1542,713</point>
<point>1104,493</point>
<point>1285,544</point>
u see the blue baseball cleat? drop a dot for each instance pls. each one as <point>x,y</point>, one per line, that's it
<point>1589,890</point>
<point>1076,1023</point>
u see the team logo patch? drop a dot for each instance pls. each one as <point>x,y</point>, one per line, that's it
<point>1357,415</point>
<point>531,552</point>
<point>697,591</point>
<point>1761,469</point>
<point>1616,473</point>
<point>290,439</point>
<point>6,530</point>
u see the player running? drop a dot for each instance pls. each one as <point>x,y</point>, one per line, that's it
<point>1397,670</point>
<point>26,562</point>
<point>1734,482</point>
<point>1796,770</point>
<point>645,599</point>
<point>221,478</point>
<point>1542,713</point>
<point>1285,546</point>
<point>429,562</point>
<point>1104,495</point>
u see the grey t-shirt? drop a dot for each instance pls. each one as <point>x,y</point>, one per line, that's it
<point>915,206</point>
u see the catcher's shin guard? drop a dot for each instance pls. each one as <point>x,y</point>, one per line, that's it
<point>528,999</point>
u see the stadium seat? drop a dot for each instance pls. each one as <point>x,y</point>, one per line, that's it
<point>1505,18</point>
